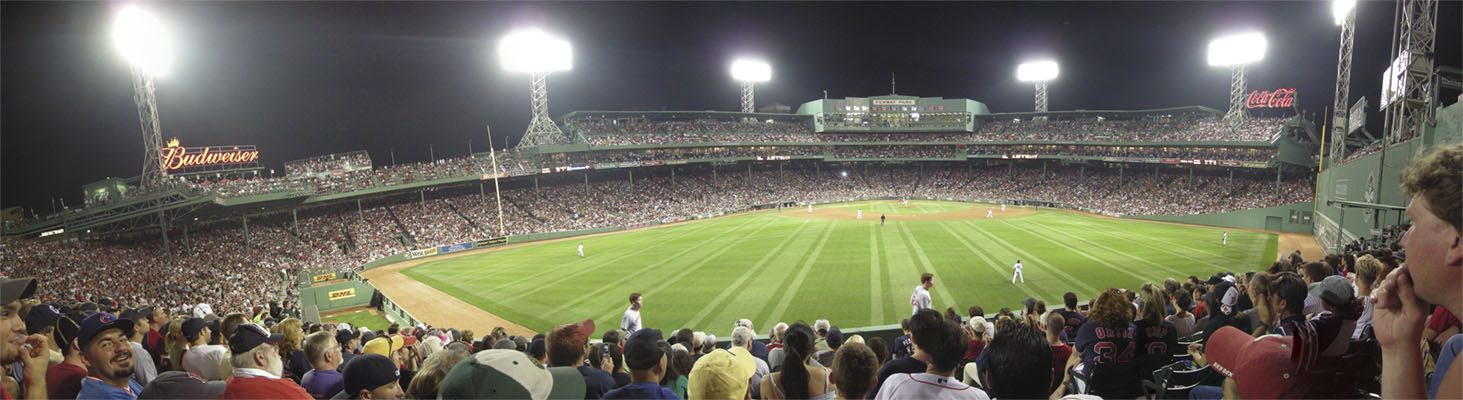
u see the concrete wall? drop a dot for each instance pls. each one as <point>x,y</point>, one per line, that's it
<point>320,296</point>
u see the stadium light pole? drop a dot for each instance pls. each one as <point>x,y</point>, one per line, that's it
<point>1237,52</point>
<point>1344,12</point>
<point>147,47</point>
<point>1040,73</point>
<point>750,72</point>
<point>537,53</point>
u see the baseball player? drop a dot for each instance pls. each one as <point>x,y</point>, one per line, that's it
<point>1003,207</point>
<point>921,296</point>
<point>1017,272</point>
<point>881,219</point>
<point>1224,240</point>
<point>860,214</point>
<point>810,208</point>
<point>990,213</point>
<point>581,249</point>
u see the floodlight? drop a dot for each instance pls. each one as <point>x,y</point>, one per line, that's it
<point>1038,71</point>
<point>1237,50</point>
<point>142,40</point>
<point>746,70</point>
<point>1340,8</point>
<point>532,50</point>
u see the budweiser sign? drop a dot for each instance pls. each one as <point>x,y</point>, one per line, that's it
<point>1279,98</point>
<point>176,157</point>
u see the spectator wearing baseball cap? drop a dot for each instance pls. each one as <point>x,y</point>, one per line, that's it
<point>509,374</point>
<point>63,380</point>
<point>12,334</point>
<point>181,385</point>
<point>108,357</point>
<point>371,376</point>
<point>1262,368</point>
<point>202,359</point>
<point>258,367</point>
<point>349,340</point>
<point>568,346</point>
<point>722,374</point>
<point>647,363</point>
<point>143,368</point>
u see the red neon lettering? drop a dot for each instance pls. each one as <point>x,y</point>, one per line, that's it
<point>1270,99</point>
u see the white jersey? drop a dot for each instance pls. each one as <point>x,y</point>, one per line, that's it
<point>1017,267</point>
<point>1003,208</point>
<point>927,386</point>
<point>919,299</point>
<point>631,321</point>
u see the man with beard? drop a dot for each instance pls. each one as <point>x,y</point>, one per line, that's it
<point>14,341</point>
<point>258,367</point>
<point>108,358</point>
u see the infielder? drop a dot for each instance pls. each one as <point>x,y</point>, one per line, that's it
<point>810,208</point>
<point>581,250</point>
<point>1003,207</point>
<point>990,213</point>
<point>1017,272</point>
<point>860,214</point>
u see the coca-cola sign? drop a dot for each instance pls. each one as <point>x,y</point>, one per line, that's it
<point>1278,98</point>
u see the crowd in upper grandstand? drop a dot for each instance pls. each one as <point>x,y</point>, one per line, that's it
<point>110,321</point>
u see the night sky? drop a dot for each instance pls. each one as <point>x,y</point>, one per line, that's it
<point>311,78</point>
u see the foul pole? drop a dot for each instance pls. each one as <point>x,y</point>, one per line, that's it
<point>497,194</point>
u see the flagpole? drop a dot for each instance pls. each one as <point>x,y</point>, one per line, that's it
<point>497,194</point>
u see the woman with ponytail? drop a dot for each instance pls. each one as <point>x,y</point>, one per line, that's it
<point>798,379</point>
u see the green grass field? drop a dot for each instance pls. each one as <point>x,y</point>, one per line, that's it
<point>359,319</point>
<point>769,267</point>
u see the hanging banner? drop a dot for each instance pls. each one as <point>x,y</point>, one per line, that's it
<point>323,277</point>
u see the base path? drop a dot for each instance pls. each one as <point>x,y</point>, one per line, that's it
<point>1290,242</point>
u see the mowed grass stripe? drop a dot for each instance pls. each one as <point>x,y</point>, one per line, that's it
<point>648,270</point>
<point>995,266</point>
<point>893,307</point>
<point>1144,243</point>
<point>1128,254</point>
<point>924,261</point>
<point>1068,280</point>
<point>1172,235</point>
<point>790,291</point>
<point>876,280</point>
<point>1033,236</point>
<point>716,303</point>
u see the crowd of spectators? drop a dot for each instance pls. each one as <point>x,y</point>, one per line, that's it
<point>615,132</point>
<point>1348,325</point>
<point>906,120</point>
<point>328,164</point>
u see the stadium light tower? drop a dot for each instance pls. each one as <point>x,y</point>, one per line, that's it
<point>1040,73</point>
<point>750,72</point>
<point>1237,52</point>
<point>1344,12</point>
<point>146,45</point>
<point>535,52</point>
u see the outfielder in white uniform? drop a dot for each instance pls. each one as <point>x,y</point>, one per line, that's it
<point>581,249</point>
<point>860,214</point>
<point>990,213</point>
<point>810,208</point>
<point>1016,272</point>
<point>1003,208</point>
<point>1225,240</point>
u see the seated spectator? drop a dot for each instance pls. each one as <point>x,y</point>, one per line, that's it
<point>1262,368</point>
<point>1368,271</point>
<point>799,378</point>
<point>348,340</point>
<point>647,363</point>
<point>1288,295</point>
<point>63,380</point>
<point>833,340</point>
<point>567,347</point>
<point>1114,373</point>
<point>33,362</point>
<point>323,380</point>
<point>902,347</point>
<point>143,370</point>
<point>855,371</point>
<point>181,385</point>
<point>371,376</point>
<point>976,331</point>
<point>1182,319</point>
<point>428,379</point>
<point>109,359</point>
<point>945,344</point>
<point>202,358</point>
<point>722,374</point>
<point>1019,361</point>
<point>742,336</point>
<point>258,366</point>
<point>1061,351</point>
<point>1157,339</point>
<point>916,362</point>
<point>1072,317</point>
<point>506,374</point>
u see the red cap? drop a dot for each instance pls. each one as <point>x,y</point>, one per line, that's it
<point>1262,368</point>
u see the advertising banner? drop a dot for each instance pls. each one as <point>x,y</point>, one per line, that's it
<point>1229,163</point>
<point>628,164</point>
<point>454,248</point>
<point>675,162</point>
<point>1252,164</point>
<point>606,165</point>
<point>491,242</point>
<point>414,254</point>
<point>1170,161</point>
<point>652,163</point>
<point>322,277</point>
<point>343,294</point>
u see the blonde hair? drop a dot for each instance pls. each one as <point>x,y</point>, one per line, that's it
<point>290,328</point>
<point>1367,269</point>
<point>429,377</point>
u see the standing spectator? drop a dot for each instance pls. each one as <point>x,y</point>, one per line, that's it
<point>1073,318</point>
<point>647,363</point>
<point>567,347</point>
<point>799,378</point>
<point>201,359</point>
<point>109,359</point>
<point>295,362</point>
<point>901,345</point>
<point>855,371</point>
<point>945,344</point>
<point>348,340</point>
<point>1368,269</point>
<point>428,380</point>
<point>142,367</point>
<point>920,299</point>
<point>12,334</point>
<point>630,322</point>
<point>323,380</point>
<point>156,320</point>
<point>258,366</point>
<point>742,336</point>
<point>63,380</point>
<point>1061,351</point>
